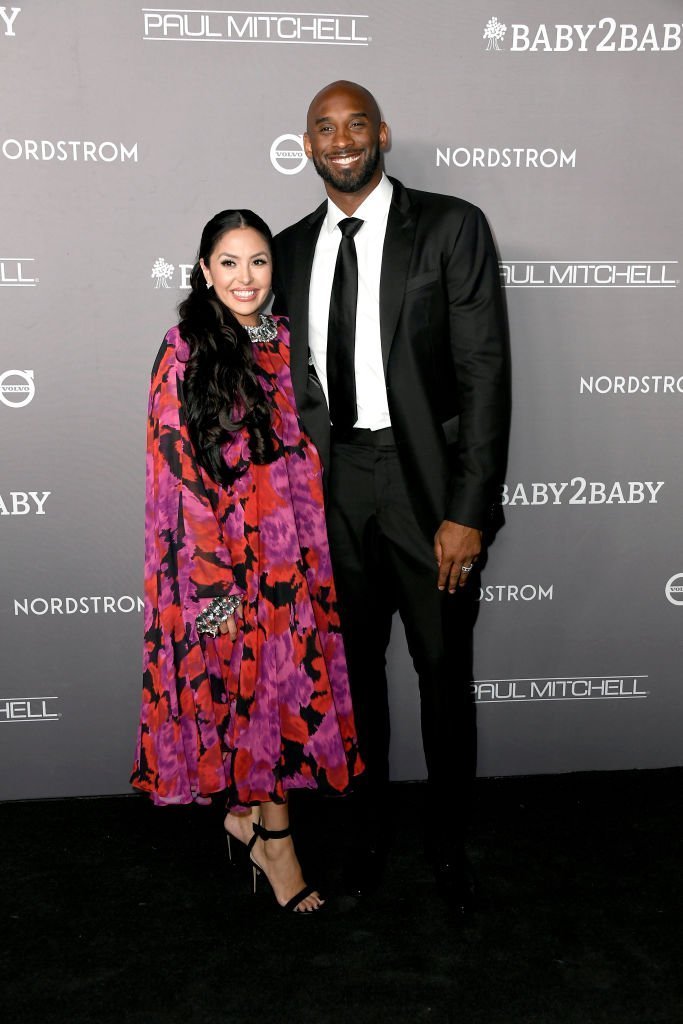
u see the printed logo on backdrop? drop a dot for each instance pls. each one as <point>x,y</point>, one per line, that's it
<point>674,589</point>
<point>74,151</point>
<point>8,16</point>
<point>494,33</point>
<point>17,388</point>
<point>164,274</point>
<point>29,709</point>
<point>287,154</point>
<point>604,36</point>
<point>579,491</point>
<point>620,384</point>
<point>214,26</point>
<point>508,157</point>
<point>589,273</point>
<point>17,273</point>
<point>515,592</point>
<point>587,688</point>
<point>125,604</point>
<point>23,503</point>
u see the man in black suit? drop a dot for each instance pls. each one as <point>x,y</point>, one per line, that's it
<point>416,390</point>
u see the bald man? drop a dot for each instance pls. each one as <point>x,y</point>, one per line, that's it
<point>407,402</point>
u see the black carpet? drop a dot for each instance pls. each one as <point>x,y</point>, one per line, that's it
<point>121,912</point>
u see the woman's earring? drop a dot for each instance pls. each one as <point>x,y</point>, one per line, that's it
<point>208,283</point>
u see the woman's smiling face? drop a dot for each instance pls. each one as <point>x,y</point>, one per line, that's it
<point>241,272</point>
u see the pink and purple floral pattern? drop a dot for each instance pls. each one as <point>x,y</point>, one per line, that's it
<point>271,711</point>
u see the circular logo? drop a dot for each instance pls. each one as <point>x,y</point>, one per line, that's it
<point>674,589</point>
<point>287,154</point>
<point>18,392</point>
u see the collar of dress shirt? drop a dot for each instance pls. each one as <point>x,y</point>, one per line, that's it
<point>374,208</point>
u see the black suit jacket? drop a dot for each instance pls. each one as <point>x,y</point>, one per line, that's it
<point>444,347</point>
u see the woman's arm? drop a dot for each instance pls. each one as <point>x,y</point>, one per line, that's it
<point>183,538</point>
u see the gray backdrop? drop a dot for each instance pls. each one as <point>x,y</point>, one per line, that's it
<point>124,130</point>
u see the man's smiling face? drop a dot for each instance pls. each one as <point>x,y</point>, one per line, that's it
<point>345,136</point>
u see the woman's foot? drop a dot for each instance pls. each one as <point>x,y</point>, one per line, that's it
<point>277,860</point>
<point>241,826</point>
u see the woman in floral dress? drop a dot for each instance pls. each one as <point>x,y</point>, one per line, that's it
<point>245,687</point>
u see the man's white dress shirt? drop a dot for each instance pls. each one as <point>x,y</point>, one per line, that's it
<point>371,392</point>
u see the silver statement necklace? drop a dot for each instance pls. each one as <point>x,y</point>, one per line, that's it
<point>265,331</point>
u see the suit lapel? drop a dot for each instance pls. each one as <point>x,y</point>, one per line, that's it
<point>398,246</point>
<point>297,299</point>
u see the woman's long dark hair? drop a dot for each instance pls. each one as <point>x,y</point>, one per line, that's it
<point>222,391</point>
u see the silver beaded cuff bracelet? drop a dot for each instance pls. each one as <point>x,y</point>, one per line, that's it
<point>220,609</point>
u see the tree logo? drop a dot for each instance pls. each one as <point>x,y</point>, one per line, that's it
<point>494,32</point>
<point>18,392</point>
<point>162,272</point>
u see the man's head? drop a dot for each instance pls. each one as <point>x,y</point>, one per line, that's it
<point>345,136</point>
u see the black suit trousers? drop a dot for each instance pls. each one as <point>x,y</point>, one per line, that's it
<point>384,563</point>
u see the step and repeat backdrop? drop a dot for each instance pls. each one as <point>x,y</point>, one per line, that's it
<point>124,128</point>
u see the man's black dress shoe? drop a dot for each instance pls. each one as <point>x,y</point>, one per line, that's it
<point>364,871</point>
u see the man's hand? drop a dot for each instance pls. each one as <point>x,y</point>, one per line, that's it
<point>456,547</point>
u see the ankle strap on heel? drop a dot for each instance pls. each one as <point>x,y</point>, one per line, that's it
<point>266,834</point>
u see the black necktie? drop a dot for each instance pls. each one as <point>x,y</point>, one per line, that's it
<point>341,330</point>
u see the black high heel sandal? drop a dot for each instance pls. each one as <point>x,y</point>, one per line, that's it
<point>235,853</point>
<point>265,834</point>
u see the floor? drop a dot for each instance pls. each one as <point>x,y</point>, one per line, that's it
<point>122,912</point>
